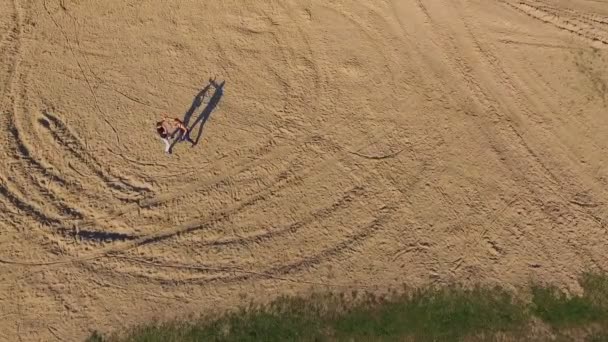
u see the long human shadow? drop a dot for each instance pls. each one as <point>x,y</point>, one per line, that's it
<point>196,103</point>
<point>206,113</point>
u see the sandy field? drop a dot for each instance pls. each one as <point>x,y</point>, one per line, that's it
<point>342,145</point>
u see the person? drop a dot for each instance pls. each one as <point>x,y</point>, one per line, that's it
<point>166,124</point>
<point>163,132</point>
<point>183,130</point>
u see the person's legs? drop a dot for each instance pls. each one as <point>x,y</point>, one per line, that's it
<point>185,136</point>
<point>167,145</point>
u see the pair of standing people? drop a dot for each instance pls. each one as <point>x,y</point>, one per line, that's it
<point>173,125</point>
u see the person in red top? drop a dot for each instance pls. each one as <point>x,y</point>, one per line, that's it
<point>174,125</point>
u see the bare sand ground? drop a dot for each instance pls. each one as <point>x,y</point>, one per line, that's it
<point>355,145</point>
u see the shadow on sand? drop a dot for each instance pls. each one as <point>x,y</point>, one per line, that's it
<point>202,118</point>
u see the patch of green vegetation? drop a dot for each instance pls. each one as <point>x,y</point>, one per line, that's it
<point>561,311</point>
<point>434,315</point>
<point>555,308</point>
<point>444,314</point>
<point>286,319</point>
<point>596,289</point>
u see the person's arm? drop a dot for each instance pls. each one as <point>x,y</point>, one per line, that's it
<point>180,125</point>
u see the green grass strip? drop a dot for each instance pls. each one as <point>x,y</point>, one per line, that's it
<point>437,315</point>
<point>433,314</point>
<point>562,311</point>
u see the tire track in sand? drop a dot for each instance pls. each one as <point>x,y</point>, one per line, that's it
<point>31,180</point>
<point>499,131</point>
<point>340,153</point>
<point>516,125</point>
<point>311,170</point>
<point>559,186</point>
<point>561,20</point>
<point>32,174</point>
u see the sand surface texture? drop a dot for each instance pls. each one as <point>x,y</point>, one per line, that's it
<point>343,145</point>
